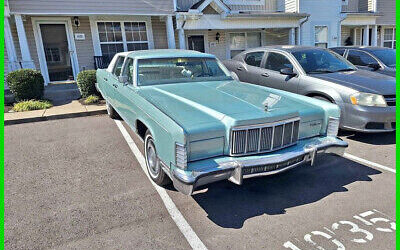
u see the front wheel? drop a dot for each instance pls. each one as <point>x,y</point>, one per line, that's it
<point>153,162</point>
<point>111,111</point>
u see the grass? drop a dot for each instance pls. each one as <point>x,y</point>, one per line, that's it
<point>91,99</point>
<point>32,105</point>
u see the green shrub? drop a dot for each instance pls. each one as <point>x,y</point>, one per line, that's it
<point>31,105</point>
<point>86,82</point>
<point>26,84</point>
<point>91,99</point>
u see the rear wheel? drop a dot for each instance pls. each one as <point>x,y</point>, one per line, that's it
<point>153,163</point>
<point>111,111</point>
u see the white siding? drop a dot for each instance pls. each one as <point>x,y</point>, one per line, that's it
<point>323,13</point>
<point>159,33</point>
<point>388,9</point>
<point>352,6</point>
<point>346,32</point>
<point>292,5</point>
<point>127,7</point>
<point>236,5</point>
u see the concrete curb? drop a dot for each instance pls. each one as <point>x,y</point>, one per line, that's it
<point>55,117</point>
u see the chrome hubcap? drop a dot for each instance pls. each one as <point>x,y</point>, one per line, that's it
<point>152,161</point>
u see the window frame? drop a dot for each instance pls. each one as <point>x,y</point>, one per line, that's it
<point>327,38</point>
<point>393,40</point>
<point>95,30</point>
<point>246,47</point>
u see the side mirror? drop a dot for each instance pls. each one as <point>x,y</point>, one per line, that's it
<point>374,66</point>
<point>123,79</point>
<point>288,72</point>
<point>235,76</point>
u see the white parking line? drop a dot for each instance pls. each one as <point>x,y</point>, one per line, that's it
<point>176,215</point>
<point>373,164</point>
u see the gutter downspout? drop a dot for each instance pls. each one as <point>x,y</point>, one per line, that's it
<point>301,24</point>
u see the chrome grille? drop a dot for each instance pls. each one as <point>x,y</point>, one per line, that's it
<point>264,137</point>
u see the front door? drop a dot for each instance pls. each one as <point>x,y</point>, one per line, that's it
<point>196,42</point>
<point>57,52</point>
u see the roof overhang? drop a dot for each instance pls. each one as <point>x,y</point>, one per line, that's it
<point>240,21</point>
<point>356,19</point>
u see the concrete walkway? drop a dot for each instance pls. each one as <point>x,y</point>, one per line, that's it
<point>69,110</point>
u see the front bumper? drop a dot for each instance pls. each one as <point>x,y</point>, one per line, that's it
<point>369,119</point>
<point>236,169</point>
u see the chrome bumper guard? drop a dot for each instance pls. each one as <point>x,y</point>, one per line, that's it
<point>238,169</point>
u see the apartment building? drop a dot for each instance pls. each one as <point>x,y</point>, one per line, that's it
<point>225,28</point>
<point>61,38</point>
<point>369,22</point>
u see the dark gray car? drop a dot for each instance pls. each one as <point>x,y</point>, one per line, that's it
<point>378,59</point>
<point>367,99</point>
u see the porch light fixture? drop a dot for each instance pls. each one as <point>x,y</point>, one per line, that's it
<point>77,22</point>
<point>217,36</point>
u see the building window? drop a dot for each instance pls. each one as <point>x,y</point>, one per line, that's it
<point>321,36</point>
<point>244,40</point>
<point>121,36</point>
<point>389,38</point>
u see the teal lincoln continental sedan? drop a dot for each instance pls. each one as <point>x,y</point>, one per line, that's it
<point>199,125</point>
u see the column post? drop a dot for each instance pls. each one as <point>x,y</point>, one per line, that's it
<point>27,61</point>
<point>366,35</point>
<point>170,33</point>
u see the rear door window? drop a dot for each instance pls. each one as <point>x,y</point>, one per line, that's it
<point>360,58</point>
<point>339,51</point>
<point>254,58</point>
<point>277,61</point>
<point>118,66</point>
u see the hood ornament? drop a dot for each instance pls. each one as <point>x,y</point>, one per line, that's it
<point>266,106</point>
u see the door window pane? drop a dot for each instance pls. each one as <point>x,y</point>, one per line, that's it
<point>128,70</point>
<point>276,62</point>
<point>112,41</point>
<point>360,58</point>
<point>254,58</point>
<point>118,66</point>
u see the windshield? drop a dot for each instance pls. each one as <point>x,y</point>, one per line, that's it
<point>387,56</point>
<point>179,70</point>
<point>317,61</point>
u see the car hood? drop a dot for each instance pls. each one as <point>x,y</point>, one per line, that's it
<point>362,80</point>
<point>227,103</point>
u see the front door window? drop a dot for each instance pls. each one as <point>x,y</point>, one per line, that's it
<point>196,43</point>
<point>56,50</point>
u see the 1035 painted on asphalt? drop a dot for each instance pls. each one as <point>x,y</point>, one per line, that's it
<point>374,221</point>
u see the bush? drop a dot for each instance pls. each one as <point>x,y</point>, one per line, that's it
<point>26,84</point>
<point>31,105</point>
<point>86,82</point>
<point>91,99</point>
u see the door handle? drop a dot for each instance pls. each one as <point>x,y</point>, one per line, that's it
<point>265,74</point>
<point>239,68</point>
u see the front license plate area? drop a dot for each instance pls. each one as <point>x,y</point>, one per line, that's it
<point>270,167</point>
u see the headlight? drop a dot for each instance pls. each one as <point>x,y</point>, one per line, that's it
<point>367,99</point>
<point>180,156</point>
<point>333,127</point>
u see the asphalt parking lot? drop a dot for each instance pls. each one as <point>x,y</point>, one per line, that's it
<point>76,183</point>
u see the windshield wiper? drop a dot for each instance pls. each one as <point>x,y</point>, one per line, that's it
<point>320,71</point>
<point>343,70</point>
